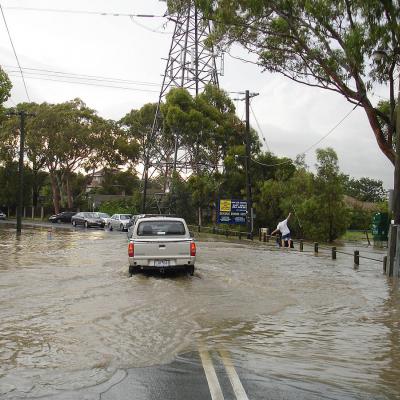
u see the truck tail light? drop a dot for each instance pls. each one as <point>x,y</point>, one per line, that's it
<point>192,249</point>
<point>131,249</point>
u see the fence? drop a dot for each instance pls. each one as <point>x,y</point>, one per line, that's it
<point>29,212</point>
<point>297,245</point>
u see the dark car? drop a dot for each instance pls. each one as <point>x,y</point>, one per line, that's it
<point>87,219</point>
<point>64,216</point>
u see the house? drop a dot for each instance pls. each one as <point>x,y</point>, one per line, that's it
<point>96,179</point>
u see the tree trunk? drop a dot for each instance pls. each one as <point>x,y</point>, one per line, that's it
<point>200,215</point>
<point>69,192</point>
<point>386,149</point>
<point>61,191</point>
<point>56,193</point>
<point>35,188</point>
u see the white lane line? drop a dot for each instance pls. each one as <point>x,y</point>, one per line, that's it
<point>233,376</point>
<point>213,383</point>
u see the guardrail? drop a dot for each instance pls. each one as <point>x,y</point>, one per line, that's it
<point>265,237</point>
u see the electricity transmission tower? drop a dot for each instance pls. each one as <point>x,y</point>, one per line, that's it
<point>191,65</point>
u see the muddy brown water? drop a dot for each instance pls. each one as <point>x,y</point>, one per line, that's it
<point>70,316</point>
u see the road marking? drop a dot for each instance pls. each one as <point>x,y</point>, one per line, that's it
<point>233,376</point>
<point>212,379</point>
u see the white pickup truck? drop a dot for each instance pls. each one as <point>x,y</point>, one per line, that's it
<point>161,244</point>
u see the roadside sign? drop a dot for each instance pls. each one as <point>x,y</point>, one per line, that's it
<point>232,211</point>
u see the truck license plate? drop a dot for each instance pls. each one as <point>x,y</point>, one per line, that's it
<point>161,263</point>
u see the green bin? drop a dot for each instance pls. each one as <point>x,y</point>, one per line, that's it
<point>380,226</point>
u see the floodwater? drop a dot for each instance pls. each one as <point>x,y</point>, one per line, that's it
<point>70,316</point>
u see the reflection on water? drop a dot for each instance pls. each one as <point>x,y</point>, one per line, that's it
<point>70,316</point>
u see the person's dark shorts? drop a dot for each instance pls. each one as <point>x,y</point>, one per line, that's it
<point>286,237</point>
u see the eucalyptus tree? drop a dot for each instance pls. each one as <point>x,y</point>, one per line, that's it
<point>325,213</point>
<point>7,143</point>
<point>365,189</point>
<point>327,44</point>
<point>67,138</point>
<point>5,87</point>
<point>225,128</point>
<point>206,126</point>
<point>185,127</point>
<point>138,127</point>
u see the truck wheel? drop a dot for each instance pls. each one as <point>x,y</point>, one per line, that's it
<point>133,270</point>
<point>121,227</point>
<point>190,270</point>
<point>110,227</point>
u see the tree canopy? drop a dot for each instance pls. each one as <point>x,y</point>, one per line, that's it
<point>64,141</point>
<point>325,44</point>
<point>5,86</point>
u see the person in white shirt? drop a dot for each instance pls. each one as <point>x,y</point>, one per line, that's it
<point>284,230</point>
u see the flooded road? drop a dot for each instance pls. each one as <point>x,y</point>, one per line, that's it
<point>71,318</point>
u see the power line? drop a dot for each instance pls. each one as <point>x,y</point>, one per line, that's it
<point>70,75</point>
<point>15,53</point>
<point>149,29</point>
<point>90,84</point>
<point>310,147</point>
<point>272,165</point>
<point>259,128</point>
<point>331,130</point>
<point>101,13</point>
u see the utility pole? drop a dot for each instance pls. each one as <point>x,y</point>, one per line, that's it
<point>396,185</point>
<point>247,168</point>
<point>22,115</point>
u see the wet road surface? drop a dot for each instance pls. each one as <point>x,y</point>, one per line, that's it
<point>288,325</point>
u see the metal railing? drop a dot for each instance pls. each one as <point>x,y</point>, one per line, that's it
<point>295,245</point>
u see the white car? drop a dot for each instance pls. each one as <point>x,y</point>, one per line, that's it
<point>161,244</point>
<point>2,215</point>
<point>119,222</point>
<point>104,217</point>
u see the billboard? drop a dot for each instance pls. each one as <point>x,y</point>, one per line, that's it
<point>232,211</point>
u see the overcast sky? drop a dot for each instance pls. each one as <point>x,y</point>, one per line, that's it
<point>292,117</point>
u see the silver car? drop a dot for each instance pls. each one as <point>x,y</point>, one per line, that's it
<point>119,222</point>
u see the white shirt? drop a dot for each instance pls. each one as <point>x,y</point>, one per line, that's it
<point>282,226</point>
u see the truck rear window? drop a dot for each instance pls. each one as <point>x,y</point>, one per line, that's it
<point>159,228</point>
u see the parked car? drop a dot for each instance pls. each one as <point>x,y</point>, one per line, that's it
<point>132,222</point>
<point>161,244</point>
<point>87,219</point>
<point>105,217</point>
<point>136,217</point>
<point>64,216</point>
<point>119,221</point>
<point>2,215</point>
